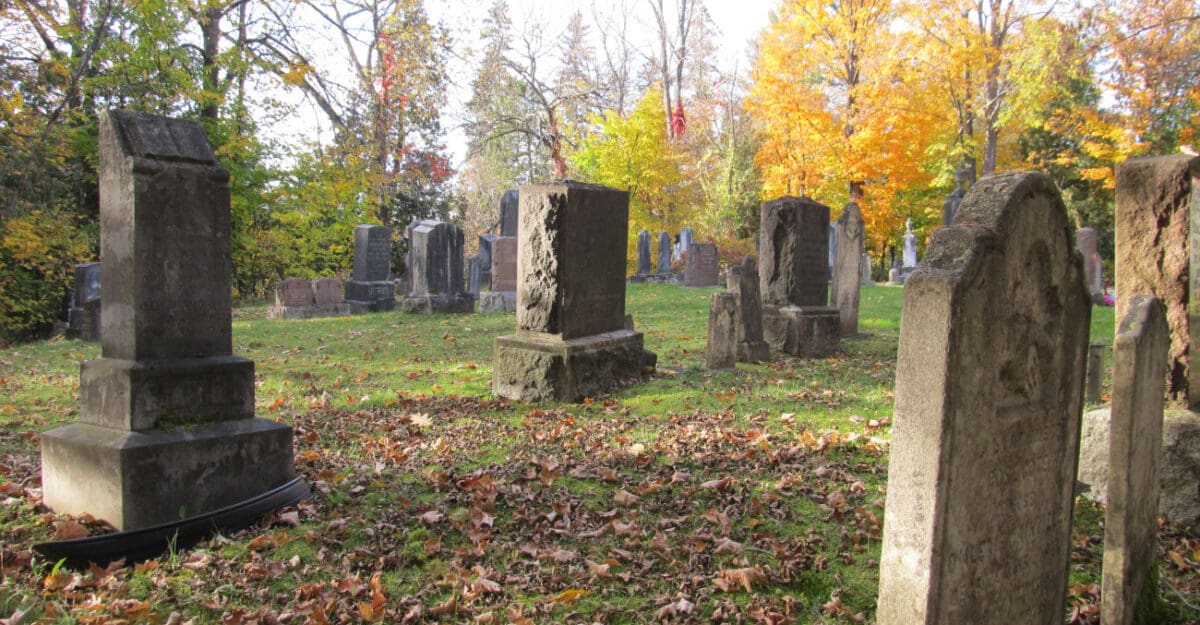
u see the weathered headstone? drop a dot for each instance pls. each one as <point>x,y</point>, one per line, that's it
<point>328,292</point>
<point>571,340</point>
<point>437,270</point>
<point>954,199</point>
<point>809,331</point>
<point>686,236</point>
<point>794,273</point>
<point>721,349</point>
<point>167,425</point>
<point>989,391</point>
<point>503,296</point>
<point>509,213</point>
<point>910,247</point>
<point>297,298</point>
<point>866,269</point>
<point>371,288</point>
<point>833,241</point>
<point>1085,242</point>
<point>1095,373</point>
<point>295,292</point>
<point>83,319</point>
<point>486,243</point>
<point>643,252</point>
<point>847,270</point>
<point>664,252</point>
<point>474,275</point>
<point>1134,454</point>
<point>702,267</point>
<point>894,278</point>
<point>742,281</point>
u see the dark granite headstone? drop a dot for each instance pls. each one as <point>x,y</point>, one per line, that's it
<point>794,260</point>
<point>509,213</point>
<point>83,319</point>
<point>474,275</point>
<point>486,242</point>
<point>371,288</point>
<point>643,252</point>
<point>664,252</point>
<point>702,267</point>
<point>437,270</point>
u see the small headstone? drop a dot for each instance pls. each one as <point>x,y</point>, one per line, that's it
<point>504,265</point>
<point>866,269</point>
<point>686,236</point>
<point>910,247</point>
<point>509,213</point>
<point>297,298</point>
<point>721,350</point>
<point>954,199</point>
<point>295,292</point>
<point>810,331</point>
<point>989,392</point>
<point>474,275</point>
<point>497,301</point>
<point>328,292</point>
<point>664,252</point>
<point>83,319</point>
<point>571,340</point>
<point>894,278</point>
<point>1134,456</point>
<point>371,288</point>
<point>437,270</point>
<point>702,267</point>
<point>847,270</point>
<point>742,281</point>
<point>486,243</point>
<point>1095,373</point>
<point>643,252</point>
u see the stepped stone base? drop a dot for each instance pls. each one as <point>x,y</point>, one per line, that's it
<point>532,366</point>
<point>429,304</point>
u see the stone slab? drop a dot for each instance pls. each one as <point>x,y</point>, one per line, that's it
<point>721,347</point>
<point>643,252</point>
<point>83,322</point>
<point>437,259</point>
<point>510,213</point>
<point>461,303</point>
<point>664,253</point>
<point>328,291</point>
<point>794,252</point>
<point>702,267</point>
<point>811,331</point>
<point>87,283</point>
<point>139,479</point>
<point>498,301</point>
<point>742,282</point>
<point>504,264</point>
<point>295,292</point>
<point>533,366</point>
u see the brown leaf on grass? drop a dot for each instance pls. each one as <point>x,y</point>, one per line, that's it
<point>607,474</point>
<point>569,595</point>
<point>727,545</point>
<point>729,579</point>
<point>431,517</point>
<point>683,607</point>
<point>516,618</point>
<point>625,498</point>
<point>449,606</point>
<point>69,529</point>
<point>717,517</point>
<point>599,570</point>
<point>660,543</point>
<point>721,484</point>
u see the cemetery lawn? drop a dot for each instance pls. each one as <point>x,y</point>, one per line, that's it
<point>747,496</point>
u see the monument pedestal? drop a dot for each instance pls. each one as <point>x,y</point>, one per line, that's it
<point>141,395</point>
<point>83,322</point>
<point>440,303</point>
<point>497,301</point>
<point>139,479</point>
<point>753,351</point>
<point>365,297</point>
<point>803,331</point>
<point>533,366</point>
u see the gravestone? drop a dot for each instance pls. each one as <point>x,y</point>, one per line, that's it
<point>847,270</point>
<point>571,340</point>
<point>954,199</point>
<point>370,288</point>
<point>702,267</point>
<point>486,243</point>
<point>910,248</point>
<point>742,281</point>
<point>503,296</point>
<point>721,349</point>
<point>474,275</point>
<point>833,241</point>
<point>794,273</point>
<point>989,385</point>
<point>664,252</point>
<point>83,319</point>
<point>295,292</point>
<point>1085,242</point>
<point>686,236</point>
<point>297,298</point>
<point>1095,373</point>
<point>1134,455</point>
<point>866,269</point>
<point>437,270</point>
<point>166,423</point>
<point>643,252</point>
<point>509,213</point>
<point>327,292</point>
<point>894,278</point>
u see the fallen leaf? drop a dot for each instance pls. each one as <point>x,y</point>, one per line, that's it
<point>728,579</point>
<point>568,595</point>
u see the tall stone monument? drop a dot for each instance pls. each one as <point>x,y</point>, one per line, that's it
<point>370,289</point>
<point>1134,456</point>
<point>166,422</point>
<point>571,341</point>
<point>643,252</point>
<point>989,385</point>
<point>83,319</point>
<point>742,281</point>
<point>437,270</point>
<point>794,275</point>
<point>910,247</point>
<point>664,253</point>
<point>847,269</point>
<point>509,213</point>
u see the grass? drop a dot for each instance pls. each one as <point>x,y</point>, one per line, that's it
<point>660,501</point>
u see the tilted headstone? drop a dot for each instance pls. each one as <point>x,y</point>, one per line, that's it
<point>721,349</point>
<point>167,425</point>
<point>989,387</point>
<point>643,252</point>
<point>847,270</point>
<point>664,252</point>
<point>794,273</point>
<point>509,213</point>
<point>371,288</point>
<point>742,281</point>
<point>83,319</point>
<point>571,340</point>
<point>437,270</point>
<point>702,267</point>
<point>1134,456</point>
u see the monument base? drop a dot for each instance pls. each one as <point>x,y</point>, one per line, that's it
<point>753,351</point>
<point>532,366</point>
<point>312,312</point>
<point>497,301</point>
<point>139,479</point>
<point>141,395</point>
<point>441,303</point>
<point>656,278</point>
<point>83,323</point>
<point>802,331</point>
<point>1180,464</point>
<point>369,297</point>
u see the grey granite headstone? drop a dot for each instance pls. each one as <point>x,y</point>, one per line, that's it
<point>486,243</point>
<point>571,340</point>
<point>167,423</point>
<point>474,275</point>
<point>504,265</point>
<point>989,387</point>
<point>664,252</point>
<point>742,281</point>
<point>643,252</point>
<point>702,267</point>
<point>686,236</point>
<point>83,319</point>
<point>437,270</point>
<point>847,270</point>
<point>721,349</point>
<point>370,288</point>
<point>866,270</point>
<point>793,261</point>
<point>509,213</point>
<point>1134,456</point>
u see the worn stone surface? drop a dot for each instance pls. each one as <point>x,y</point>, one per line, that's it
<point>448,303</point>
<point>437,259</point>
<point>989,387</point>
<point>372,253</point>
<point>571,275</point>
<point>87,283</point>
<point>643,252</point>
<point>510,215</point>
<point>866,270</point>
<point>497,301</point>
<point>1155,200</point>
<point>504,264</point>
<point>794,252</point>
<point>702,267</point>
<point>474,275</point>
<point>296,298</point>
<point>1135,451</point>
<point>686,236</point>
<point>810,331</point>
<point>664,253</point>
<point>295,292</point>
<point>327,291</point>
<point>1095,373</point>
<point>742,282</point>
<point>83,319</point>
<point>910,247</point>
<point>533,366</point>
<point>721,349</point>
<point>1085,242</point>
<point>486,246</point>
<point>847,268</point>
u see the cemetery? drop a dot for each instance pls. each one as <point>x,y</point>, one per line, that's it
<point>393,312</point>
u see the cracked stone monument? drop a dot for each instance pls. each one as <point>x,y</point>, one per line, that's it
<point>702,267</point>
<point>794,278</point>
<point>166,422</point>
<point>437,270</point>
<point>742,281</point>
<point>847,269</point>
<point>503,296</point>
<point>1158,253</point>
<point>370,288</point>
<point>989,387</point>
<point>571,341</point>
<point>664,253</point>
<point>1134,455</point>
<point>83,319</point>
<point>720,350</point>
